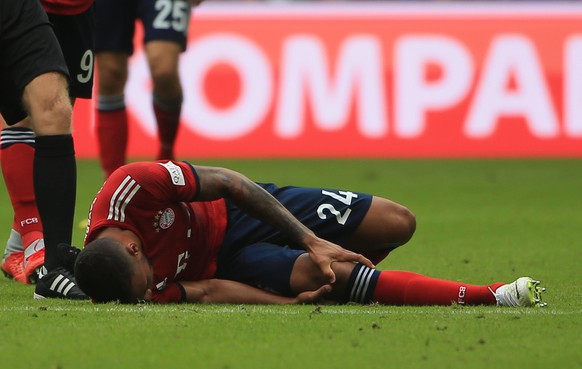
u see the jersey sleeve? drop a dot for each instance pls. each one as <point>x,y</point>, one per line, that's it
<point>134,192</point>
<point>164,180</point>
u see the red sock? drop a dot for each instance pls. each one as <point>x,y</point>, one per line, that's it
<point>406,288</point>
<point>17,160</point>
<point>112,133</point>
<point>168,123</point>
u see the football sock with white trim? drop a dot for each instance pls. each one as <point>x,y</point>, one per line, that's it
<point>362,284</point>
<point>393,287</point>
<point>17,147</point>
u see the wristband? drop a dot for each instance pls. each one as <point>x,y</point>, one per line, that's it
<point>173,293</point>
<point>182,292</point>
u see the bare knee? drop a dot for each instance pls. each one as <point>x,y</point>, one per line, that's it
<point>403,221</point>
<point>112,69</point>
<point>54,119</point>
<point>386,226</point>
<point>163,58</point>
<point>46,99</point>
<point>166,84</point>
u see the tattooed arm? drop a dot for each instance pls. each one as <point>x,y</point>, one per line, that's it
<point>218,183</point>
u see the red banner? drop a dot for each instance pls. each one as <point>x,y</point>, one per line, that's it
<point>369,80</point>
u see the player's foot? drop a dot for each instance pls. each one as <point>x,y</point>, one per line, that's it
<point>13,266</point>
<point>58,283</point>
<point>522,292</point>
<point>33,259</point>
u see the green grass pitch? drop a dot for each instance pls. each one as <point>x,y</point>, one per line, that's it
<point>479,221</point>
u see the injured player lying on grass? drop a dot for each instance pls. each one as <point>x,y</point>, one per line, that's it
<point>354,283</point>
<point>171,232</point>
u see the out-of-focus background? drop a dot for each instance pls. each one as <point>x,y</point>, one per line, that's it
<point>380,79</point>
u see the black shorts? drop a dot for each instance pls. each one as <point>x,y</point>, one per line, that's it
<point>28,48</point>
<point>162,20</point>
<point>76,35</point>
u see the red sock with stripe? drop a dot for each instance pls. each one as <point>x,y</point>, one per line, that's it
<point>390,287</point>
<point>17,145</point>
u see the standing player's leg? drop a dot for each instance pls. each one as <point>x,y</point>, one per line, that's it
<point>113,46</point>
<point>54,170</point>
<point>75,34</point>
<point>48,104</point>
<point>163,58</point>
<point>35,65</point>
<point>111,115</point>
<point>165,40</point>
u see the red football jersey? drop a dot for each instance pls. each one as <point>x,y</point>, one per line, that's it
<point>66,7</point>
<point>181,238</point>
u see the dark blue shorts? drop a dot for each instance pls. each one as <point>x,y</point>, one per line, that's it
<point>257,254</point>
<point>162,20</point>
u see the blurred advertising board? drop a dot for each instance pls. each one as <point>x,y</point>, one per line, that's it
<point>380,80</point>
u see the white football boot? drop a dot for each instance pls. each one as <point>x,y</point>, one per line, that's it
<point>522,292</point>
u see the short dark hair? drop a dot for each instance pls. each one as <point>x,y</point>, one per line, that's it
<point>104,270</point>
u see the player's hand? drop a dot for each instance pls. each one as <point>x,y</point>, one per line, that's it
<point>149,297</point>
<point>311,297</point>
<point>324,253</point>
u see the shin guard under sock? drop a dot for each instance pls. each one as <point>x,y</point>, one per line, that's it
<point>407,288</point>
<point>389,287</point>
<point>112,132</point>
<point>55,184</point>
<point>17,145</point>
<point>168,121</point>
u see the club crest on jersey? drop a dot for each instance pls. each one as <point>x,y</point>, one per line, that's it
<point>164,219</point>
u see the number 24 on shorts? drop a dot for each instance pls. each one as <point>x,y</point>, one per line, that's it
<point>342,196</point>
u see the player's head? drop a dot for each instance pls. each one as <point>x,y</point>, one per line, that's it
<point>106,270</point>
